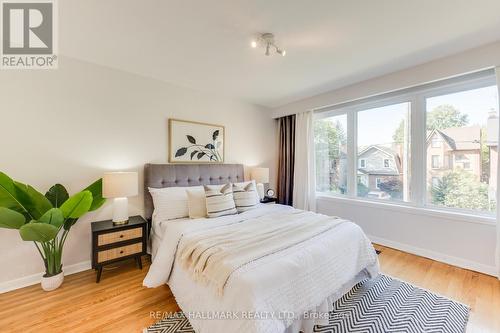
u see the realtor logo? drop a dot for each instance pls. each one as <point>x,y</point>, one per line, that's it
<point>28,34</point>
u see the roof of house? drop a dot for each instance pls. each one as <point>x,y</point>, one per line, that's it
<point>460,138</point>
<point>382,171</point>
<point>384,149</point>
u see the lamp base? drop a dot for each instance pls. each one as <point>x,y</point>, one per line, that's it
<point>120,211</point>
<point>260,190</point>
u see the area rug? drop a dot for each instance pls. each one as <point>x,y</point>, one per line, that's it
<point>378,305</point>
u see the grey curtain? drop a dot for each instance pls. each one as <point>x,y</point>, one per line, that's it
<point>286,159</point>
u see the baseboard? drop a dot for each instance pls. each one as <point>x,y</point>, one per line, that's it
<point>35,278</point>
<point>447,259</point>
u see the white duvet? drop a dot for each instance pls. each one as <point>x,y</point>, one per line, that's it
<point>271,294</point>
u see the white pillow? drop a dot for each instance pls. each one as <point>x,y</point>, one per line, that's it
<point>197,204</point>
<point>245,184</point>
<point>170,202</point>
<point>244,197</point>
<point>220,200</point>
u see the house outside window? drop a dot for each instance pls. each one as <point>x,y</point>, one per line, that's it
<point>386,163</point>
<point>378,182</point>
<point>436,142</point>
<point>362,163</point>
<point>435,161</point>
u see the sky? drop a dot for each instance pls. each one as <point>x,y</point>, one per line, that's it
<point>376,126</point>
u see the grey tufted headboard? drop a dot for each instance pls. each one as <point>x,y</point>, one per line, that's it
<point>173,175</point>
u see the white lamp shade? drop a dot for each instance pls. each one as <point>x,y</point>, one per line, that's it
<point>260,175</point>
<point>120,184</point>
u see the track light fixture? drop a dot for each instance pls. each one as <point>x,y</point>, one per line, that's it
<point>266,40</point>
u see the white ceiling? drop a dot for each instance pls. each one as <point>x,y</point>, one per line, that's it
<point>204,44</point>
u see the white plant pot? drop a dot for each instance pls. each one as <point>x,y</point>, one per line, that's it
<point>52,282</point>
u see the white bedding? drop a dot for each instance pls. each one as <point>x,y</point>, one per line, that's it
<point>278,288</point>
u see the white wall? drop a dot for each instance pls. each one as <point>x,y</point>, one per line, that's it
<point>487,56</point>
<point>461,242</point>
<point>456,241</point>
<point>72,124</point>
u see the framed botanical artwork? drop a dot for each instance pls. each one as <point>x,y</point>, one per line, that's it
<point>195,142</point>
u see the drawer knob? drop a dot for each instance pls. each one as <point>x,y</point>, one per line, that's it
<point>121,236</point>
<point>121,252</point>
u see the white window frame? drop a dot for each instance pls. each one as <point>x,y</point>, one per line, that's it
<point>378,180</point>
<point>362,162</point>
<point>418,137</point>
<point>388,163</point>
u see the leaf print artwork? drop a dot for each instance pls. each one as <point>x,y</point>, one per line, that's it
<point>195,142</point>
<point>208,151</point>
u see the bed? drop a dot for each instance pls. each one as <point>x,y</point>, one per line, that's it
<point>287,290</point>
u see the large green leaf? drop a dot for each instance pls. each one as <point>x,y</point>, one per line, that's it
<point>53,216</point>
<point>11,198</point>
<point>38,232</point>
<point>11,219</point>
<point>57,195</point>
<point>77,205</point>
<point>36,203</point>
<point>68,223</point>
<point>97,200</point>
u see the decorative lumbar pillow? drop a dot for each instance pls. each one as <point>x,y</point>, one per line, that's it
<point>244,184</point>
<point>197,204</point>
<point>245,197</point>
<point>219,200</point>
<point>170,202</point>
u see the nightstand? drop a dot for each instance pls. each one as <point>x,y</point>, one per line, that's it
<point>269,200</point>
<point>113,243</point>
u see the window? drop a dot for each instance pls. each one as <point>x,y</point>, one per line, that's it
<point>389,137</point>
<point>436,142</point>
<point>363,180</point>
<point>432,146</point>
<point>468,120</point>
<point>435,181</point>
<point>330,135</point>
<point>435,161</point>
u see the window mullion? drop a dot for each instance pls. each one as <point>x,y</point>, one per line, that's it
<point>352,134</point>
<point>418,151</point>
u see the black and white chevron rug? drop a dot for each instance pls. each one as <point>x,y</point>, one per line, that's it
<point>379,305</point>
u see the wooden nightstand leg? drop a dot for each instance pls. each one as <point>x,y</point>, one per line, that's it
<point>138,260</point>
<point>99,272</point>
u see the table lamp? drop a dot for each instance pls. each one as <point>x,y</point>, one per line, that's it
<point>261,177</point>
<point>120,186</point>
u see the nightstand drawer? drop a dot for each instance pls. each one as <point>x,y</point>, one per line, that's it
<point>119,252</point>
<point>119,236</point>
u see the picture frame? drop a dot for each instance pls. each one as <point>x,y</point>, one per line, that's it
<point>195,142</point>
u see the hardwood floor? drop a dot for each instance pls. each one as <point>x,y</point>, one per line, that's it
<point>119,303</point>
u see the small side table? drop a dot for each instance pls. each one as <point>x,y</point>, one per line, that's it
<point>113,243</point>
<point>269,200</point>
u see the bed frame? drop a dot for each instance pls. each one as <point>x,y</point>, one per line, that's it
<point>173,175</point>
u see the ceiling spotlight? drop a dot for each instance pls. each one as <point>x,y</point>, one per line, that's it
<point>268,42</point>
<point>281,51</point>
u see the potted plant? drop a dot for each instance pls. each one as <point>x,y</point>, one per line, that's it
<point>46,219</point>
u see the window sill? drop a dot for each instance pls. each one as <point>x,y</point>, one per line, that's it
<point>411,209</point>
